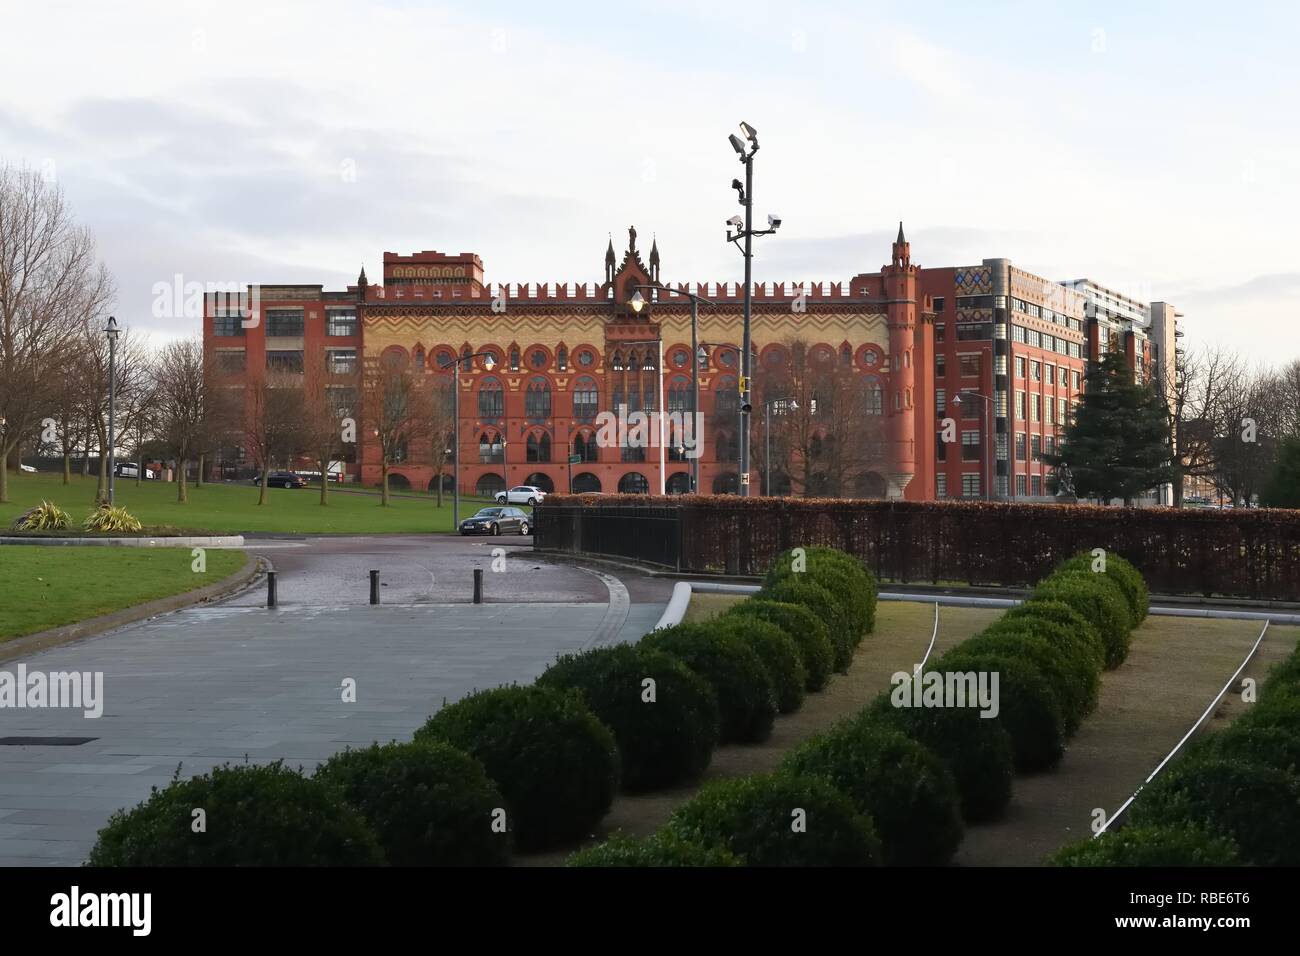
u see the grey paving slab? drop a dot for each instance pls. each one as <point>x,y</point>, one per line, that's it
<point>213,685</point>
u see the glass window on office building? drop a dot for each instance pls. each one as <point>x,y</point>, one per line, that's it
<point>342,361</point>
<point>970,366</point>
<point>1049,372</point>
<point>1036,371</point>
<point>1020,406</point>
<point>940,401</point>
<point>1036,446</point>
<point>1021,485</point>
<point>1036,485</point>
<point>970,446</point>
<point>283,322</point>
<point>939,367</point>
<point>340,322</point>
<point>1020,366</point>
<point>1020,446</point>
<point>941,485</point>
<point>970,486</point>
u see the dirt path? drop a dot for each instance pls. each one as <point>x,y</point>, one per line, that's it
<point>902,633</point>
<point>1175,668</point>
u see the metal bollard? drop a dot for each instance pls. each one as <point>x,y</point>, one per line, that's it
<point>374,587</point>
<point>272,600</point>
<point>478,585</point>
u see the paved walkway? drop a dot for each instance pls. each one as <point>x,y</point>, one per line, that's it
<point>213,684</point>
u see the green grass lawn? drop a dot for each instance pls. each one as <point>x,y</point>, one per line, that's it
<point>44,587</point>
<point>234,509</point>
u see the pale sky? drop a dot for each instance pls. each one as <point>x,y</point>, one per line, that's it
<point>1144,145</point>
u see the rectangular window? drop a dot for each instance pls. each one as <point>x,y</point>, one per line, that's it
<point>1020,485</point>
<point>585,401</point>
<point>342,399</point>
<point>972,331</point>
<point>1020,366</point>
<point>974,301</point>
<point>970,446</point>
<point>342,361</point>
<point>1000,403</point>
<point>1036,409</point>
<point>340,322</point>
<point>225,326</point>
<point>940,448</point>
<point>1020,406</point>
<point>1034,338</point>
<point>970,366</point>
<point>1075,376</point>
<point>1036,483</point>
<point>1051,374</point>
<point>230,361</point>
<point>1050,444</point>
<point>1001,446</point>
<point>1036,446</point>
<point>939,365</point>
<point>1036,371</point>
<point>284,361</point>
<point>941,485</point>
<point>940,401</point>
<point>938,304</point>
<point>939,331</point>
<point>970,406</point>
<point>1049,342</point>
<point>1020,446</point>
<point>1018,333</point>
<point>970,486</point>
<point>283,322</point>
<point>1063,412</point>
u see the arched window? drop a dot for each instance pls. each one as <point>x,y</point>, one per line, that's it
<point>616,361</point>
<point>586,399</point>
<point>633,483</point>
<point>537,400</point>
<point>490,449</point>
<point>846,354</point>
<point>584,446</point>
<point>419,358</point>
<point>649,360</point>
<point>394,358</point>
<point>562,359</point>
<point>539,447</point>
<point>651,402</point>
<point>875,399</point>
<point>585,483</point>
<point>491,399</point>
<point>679,396</point>
<point>514,358</point>
<point>726,401</point>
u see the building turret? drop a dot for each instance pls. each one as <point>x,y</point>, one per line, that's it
<point>899,279</point>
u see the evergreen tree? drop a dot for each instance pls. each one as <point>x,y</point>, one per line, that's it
<point>1283,487</point>
<point>1118,444</point>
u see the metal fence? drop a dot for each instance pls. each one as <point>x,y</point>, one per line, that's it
<point>1251,553</point>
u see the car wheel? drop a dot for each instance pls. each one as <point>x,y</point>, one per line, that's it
<point>532,502</point>
<point>496,530</point>
<point>523,527</point>
<point>501,499</point>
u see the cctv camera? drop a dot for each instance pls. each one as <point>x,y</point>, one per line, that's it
<point>773,222</point>
<point>736,221</point>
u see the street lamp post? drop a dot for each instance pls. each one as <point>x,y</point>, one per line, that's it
<point>637,303</point>
<point>489,361</point>
<point>767,440</point>
<point>111,331</point>
<point>745,230</point>
<point>988,457</point>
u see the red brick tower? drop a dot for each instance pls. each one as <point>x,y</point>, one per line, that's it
<point>900,426</point>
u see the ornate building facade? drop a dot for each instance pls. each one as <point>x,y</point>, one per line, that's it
<point>912,340</point>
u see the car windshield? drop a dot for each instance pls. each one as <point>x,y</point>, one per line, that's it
<point>490,513</point>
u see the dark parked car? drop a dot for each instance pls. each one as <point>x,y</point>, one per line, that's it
<point>496,521</point>
<point>282,479</point>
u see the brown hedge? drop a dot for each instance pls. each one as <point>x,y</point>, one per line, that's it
<point>1251,552</point>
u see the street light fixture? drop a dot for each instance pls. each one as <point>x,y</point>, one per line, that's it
<point>489,363</point>
<point>745,230</point>
<point>111,330</point>
<point>698,358</point>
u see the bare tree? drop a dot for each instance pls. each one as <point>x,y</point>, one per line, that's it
<point>47,264</point>
<point>328,419</point>
<point>273,432</point>
<point>182,403</point>
<point>395,412</point>
<point>442,426</point>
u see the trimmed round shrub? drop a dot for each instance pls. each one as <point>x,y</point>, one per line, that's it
<point>660,742</point>
<point>1272,746</point>
<point>429,804</point>
<point>1124,576</point>
<point>1150,846</point>
<point>1026,704</point>
<point>779,653</point>
<point>1078,629</point>
<point>746,696</point>
<point>900,785</point>
<point>848,580</point>
<point>975,749</point>
<point>1099,601</point>
<point>556,764</point>
<point>779,820</point>
<point>255,816</point>
<point>1256,805</point>
<point>816,651</point>
<point>664,848</point>
<point>814,597</point>
<point>1070,669</point>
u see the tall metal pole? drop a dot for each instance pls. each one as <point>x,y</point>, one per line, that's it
<point>112,400</point>
<point>745,345</point>
<point>455,452</point>
<point>695,395</point>
<point>767,448</point>
<point>663,464</point>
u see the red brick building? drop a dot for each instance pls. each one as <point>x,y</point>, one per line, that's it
<point>989,356</point>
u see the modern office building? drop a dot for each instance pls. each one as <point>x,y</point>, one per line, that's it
<point>988,356</point>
